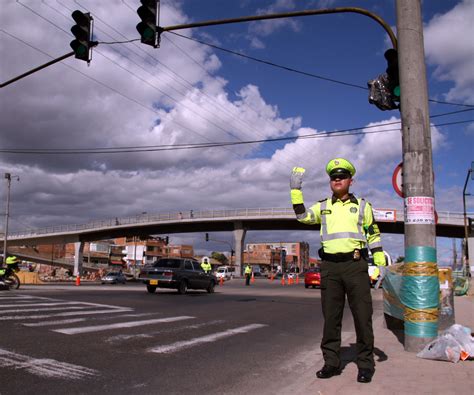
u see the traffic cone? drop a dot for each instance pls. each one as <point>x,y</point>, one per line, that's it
<point>272,277</point>
<point>290,281</point>
<point>221,281</point>
<point>78,280</point>
<point>297,280</point>
<point>252,279</point>
<point>282,280</point>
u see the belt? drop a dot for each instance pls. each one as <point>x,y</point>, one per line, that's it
<point>355,255</point>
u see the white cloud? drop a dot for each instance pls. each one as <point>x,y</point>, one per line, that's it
<point>450,48</point>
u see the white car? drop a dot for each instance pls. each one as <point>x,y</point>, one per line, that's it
<point>223,272</point>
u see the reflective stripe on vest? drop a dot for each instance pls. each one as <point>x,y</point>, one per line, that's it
<point>342,235</point>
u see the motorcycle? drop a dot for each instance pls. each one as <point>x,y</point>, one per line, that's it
<point>8,275</point>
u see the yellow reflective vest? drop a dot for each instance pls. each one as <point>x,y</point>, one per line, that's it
<point>345,226</point>
<point>248,270</point>
<point>206,266</point>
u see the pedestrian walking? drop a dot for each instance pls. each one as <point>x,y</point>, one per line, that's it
<point>248,274</point>
<point>347,229</point>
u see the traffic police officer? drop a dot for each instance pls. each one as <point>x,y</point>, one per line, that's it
<point>248,274</point>
<point>347,227</point>
<point>206,266</point>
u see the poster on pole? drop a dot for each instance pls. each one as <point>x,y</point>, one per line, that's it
<point>419,210</point>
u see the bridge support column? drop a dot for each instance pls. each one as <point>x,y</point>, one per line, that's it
<point>78,258</point>
<point>239,240</point>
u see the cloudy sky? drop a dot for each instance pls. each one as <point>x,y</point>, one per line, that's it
<point>185,92</point>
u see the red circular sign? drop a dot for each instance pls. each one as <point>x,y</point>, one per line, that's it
<point>397,179</point>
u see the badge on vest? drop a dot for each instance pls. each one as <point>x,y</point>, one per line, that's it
<point>325,212</point>
<point>353,210</point>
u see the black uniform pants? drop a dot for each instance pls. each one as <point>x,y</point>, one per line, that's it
<point>339,279</point>
<point>247,279</point>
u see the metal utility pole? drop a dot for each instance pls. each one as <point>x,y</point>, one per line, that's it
<point>8,177</point>
<point>420,286</point>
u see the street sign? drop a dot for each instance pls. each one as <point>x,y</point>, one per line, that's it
<point>397,179</point>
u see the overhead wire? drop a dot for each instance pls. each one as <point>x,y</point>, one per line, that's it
<point>291,69</point>
<point>335,133</point>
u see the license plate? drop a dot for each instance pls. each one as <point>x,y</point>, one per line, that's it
<point>315,282</point>
<point>153,282</point>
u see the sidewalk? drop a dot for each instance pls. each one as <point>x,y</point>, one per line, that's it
<point>397,371</point>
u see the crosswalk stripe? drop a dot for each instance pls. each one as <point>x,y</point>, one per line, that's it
<point>44,367</point>
<point>170,348</point>
<point>117,325</point>
<point>71,313</point>
<point>39,304</point>
<point>59,322</point>
<point>46,309</point>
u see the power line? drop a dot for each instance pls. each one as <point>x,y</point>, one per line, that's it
<point>176,147</point>
<point>305,73</point>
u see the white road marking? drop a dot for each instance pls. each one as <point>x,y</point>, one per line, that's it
<point>170,348</point>
<point>59,322</point>
<point>68,314</point>
<point>46,309</point>
<point>131,324</point>
<point>44,367</point>
<point>120,338</point>
<point>39,304</point>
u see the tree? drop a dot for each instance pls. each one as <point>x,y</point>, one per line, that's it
<point>218,256</point>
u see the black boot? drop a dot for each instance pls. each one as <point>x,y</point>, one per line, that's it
<point>327,372</point>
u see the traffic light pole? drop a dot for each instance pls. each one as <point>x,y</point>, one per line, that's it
<point>336,10</point>
<point>420,284</point>
<point>37,69</point>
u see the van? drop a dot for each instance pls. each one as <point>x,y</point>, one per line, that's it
<point>224,272</point>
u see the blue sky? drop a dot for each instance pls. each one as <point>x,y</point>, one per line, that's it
<point>185,92</point>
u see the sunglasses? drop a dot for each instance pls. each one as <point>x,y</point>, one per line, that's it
<point>342,176</point>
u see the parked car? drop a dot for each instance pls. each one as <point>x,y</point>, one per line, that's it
<point>177,273</point>
<point>114,278</point>
<point>312,278</point>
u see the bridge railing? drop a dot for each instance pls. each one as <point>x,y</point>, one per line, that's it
<point>143,219</point>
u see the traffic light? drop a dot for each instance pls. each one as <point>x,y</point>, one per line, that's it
<point>391,55</point>
<point>207,236</point>
<point>147,27</point>
<point>384,91</point>
<point>82,44</point>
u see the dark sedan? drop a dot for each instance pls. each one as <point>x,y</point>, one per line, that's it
<point>177,273</point>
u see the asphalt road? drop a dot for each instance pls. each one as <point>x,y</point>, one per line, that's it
<point>121,339</point>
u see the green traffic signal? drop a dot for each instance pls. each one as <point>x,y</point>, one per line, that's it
<point>147,27</point>
<point>82,32</point>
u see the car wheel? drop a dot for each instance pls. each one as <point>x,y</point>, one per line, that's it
<point>151,288</point>
<point>210,287</point>
<point>182,287</point>
<point>306,286</point>
<point>314,286</point>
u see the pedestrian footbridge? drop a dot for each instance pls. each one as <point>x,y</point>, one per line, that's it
<point>238,221</point>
